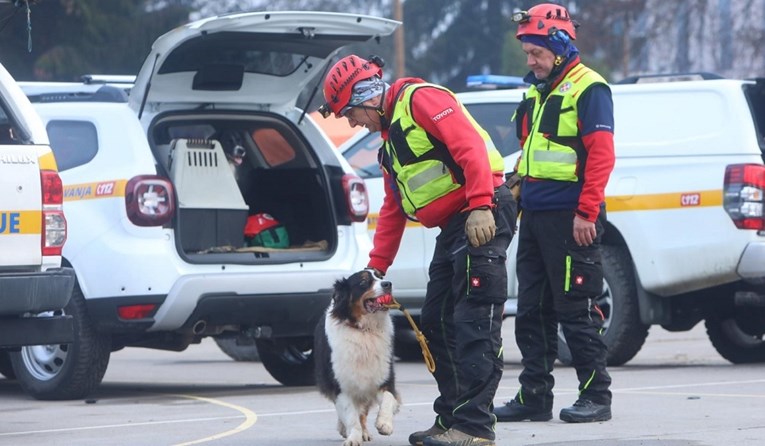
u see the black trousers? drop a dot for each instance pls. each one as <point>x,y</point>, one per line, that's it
<point>462,319</point>
<point>557,283</point>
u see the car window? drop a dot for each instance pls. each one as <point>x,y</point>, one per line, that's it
<point>74,143</point>
<point>363,156</point>
<point>495,118</point>
<point>276,150</point>
<point>7,134</point>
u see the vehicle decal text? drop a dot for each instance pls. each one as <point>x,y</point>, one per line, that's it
<point>673,200</point>
<point>20,222</point>
<point>101,189</point>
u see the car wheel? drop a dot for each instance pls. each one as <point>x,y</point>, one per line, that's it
<point>238,352</point>
<point>6,368</point>
<point>288,360</point>
<point>732,342</point>
<point>65,371</point>
<point>624,333</point>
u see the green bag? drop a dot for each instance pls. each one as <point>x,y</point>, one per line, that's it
<point>264,230</point>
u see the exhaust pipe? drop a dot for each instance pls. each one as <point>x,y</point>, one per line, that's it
<point>199,327</point>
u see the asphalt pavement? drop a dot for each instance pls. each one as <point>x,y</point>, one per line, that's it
<point>677,392</point>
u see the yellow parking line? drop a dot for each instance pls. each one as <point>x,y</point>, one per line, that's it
<point>249,419</point>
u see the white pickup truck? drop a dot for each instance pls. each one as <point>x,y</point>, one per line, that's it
<point>33,286</point>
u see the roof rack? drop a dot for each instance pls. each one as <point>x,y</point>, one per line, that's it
<point>669,77</point>
<point>107,79</point>
<point>105,93</point>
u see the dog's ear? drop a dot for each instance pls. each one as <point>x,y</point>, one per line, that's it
<point>341,288</point>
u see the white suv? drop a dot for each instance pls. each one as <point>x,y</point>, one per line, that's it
<point>685,239</point>
<point>159,207</point>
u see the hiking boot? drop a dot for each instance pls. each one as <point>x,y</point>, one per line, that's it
<point>417,438</point>
<point>453,437</point>
<point>515,411</point>
<point>586,411</point>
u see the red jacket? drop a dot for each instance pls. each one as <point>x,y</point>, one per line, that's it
<point>466,147</point>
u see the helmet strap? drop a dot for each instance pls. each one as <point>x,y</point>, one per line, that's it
<point>384,121</point>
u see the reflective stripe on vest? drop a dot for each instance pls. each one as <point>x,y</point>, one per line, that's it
<point>422,166</point>
<point>549,151</point>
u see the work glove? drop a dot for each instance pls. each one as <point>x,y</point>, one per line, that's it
<point>514,183</point>
<point>480,226</point>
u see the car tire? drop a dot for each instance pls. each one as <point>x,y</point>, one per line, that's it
<point>237,352</point>
<point>288,360</point>
<point>624,333</point>
<point>6,368</point>
<point>732,342</point>
<point>65,371</point>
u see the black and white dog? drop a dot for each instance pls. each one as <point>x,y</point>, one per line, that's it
<point>353,350</point>
<point>234,150</point>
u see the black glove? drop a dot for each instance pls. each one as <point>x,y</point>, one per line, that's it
<point>514,183</point>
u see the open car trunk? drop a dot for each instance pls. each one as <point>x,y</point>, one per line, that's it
<point>228,167</point>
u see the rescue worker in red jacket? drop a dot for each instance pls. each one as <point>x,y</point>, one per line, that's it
<point>566,126</point>
<point>442,169</point>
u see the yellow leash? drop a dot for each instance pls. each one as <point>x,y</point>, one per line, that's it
<point>429,362</point>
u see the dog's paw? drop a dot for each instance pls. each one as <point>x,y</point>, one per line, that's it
<point>341,429</point>
<point>384,427</point>
<point>353,441</point>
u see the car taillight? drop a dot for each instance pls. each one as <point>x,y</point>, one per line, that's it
<point>743,193</point>
<point>133,312</point>
<point>53,221</point>
<point>356,196</point>
<point>149,200</point>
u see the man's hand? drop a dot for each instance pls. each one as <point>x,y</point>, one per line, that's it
<point>480,226</point>
<point>584,231</point>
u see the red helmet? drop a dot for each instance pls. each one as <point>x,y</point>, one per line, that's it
<point>543,20</point>
<point>338,85</point>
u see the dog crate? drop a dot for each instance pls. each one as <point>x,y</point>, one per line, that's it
<point>211,210</point>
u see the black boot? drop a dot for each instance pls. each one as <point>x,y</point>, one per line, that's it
<point>585,411</point>
<point>418,437</point>
<point>515,411</point>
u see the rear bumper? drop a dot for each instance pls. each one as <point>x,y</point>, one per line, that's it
<point>751,265</point>
<point>17,331</point>
<point>271,315</point>
<point>35,292</point>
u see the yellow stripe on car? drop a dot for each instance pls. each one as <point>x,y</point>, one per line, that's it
<point>20,222</point>
<point>47,161</point>
<point>623,203</point>
<point>100,189</point>
<point>372,222</point>
<point>656,202</point>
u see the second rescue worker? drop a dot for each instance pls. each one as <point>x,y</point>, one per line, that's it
<point>565,125</point>
<point>440,167</point>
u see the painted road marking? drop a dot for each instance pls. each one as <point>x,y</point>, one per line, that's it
<point>249,419</point>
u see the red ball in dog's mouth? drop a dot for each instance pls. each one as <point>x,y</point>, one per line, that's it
<point>385,299</point>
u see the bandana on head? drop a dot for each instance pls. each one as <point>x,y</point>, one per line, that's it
<point>364,91</point>
<point>560,46</point>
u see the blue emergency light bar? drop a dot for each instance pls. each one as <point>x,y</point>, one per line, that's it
<point>495,81</point>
